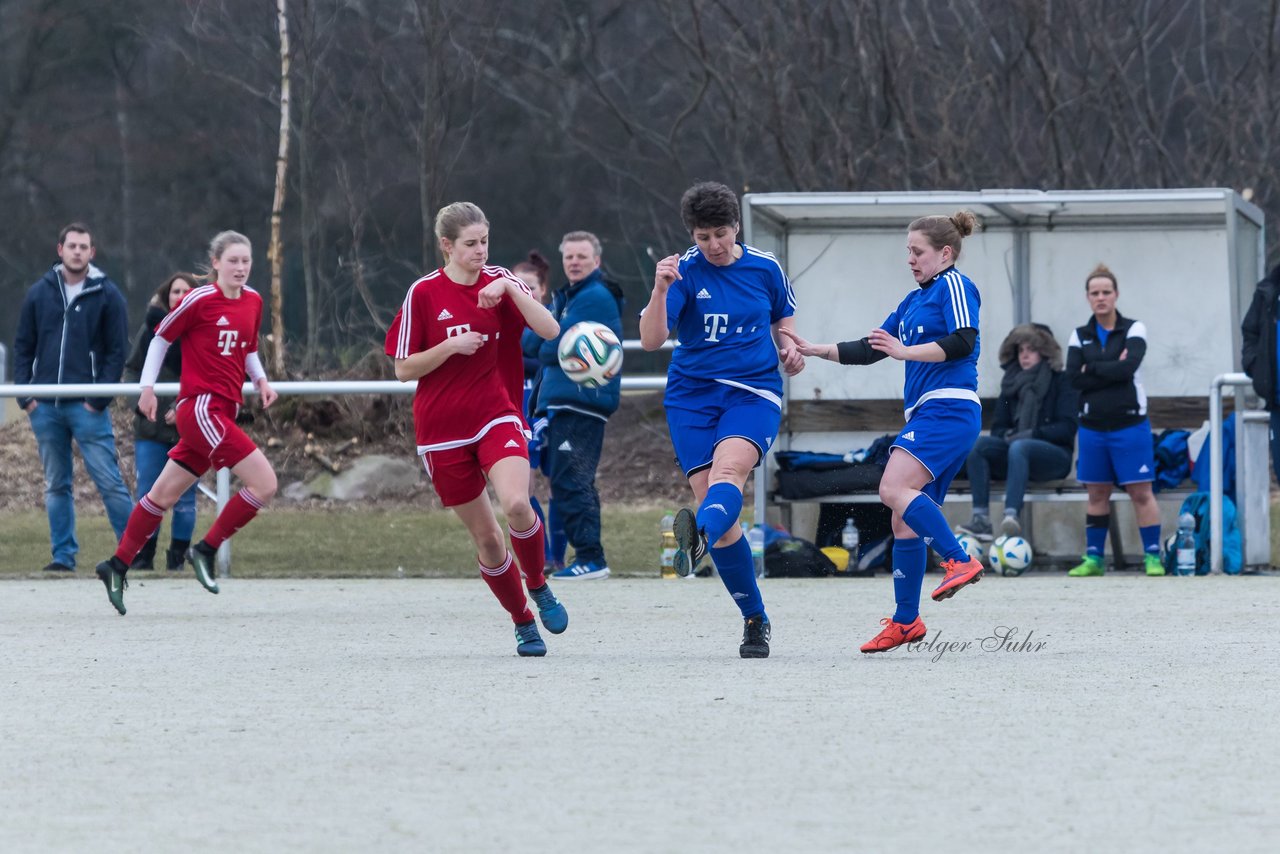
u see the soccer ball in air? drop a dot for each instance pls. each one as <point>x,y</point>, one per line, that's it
<point>1015,556</point>
<point>590,354</point>
<point>971,546</point>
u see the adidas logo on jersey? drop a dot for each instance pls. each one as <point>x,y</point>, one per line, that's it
<point>222,321</point>
<point>565,446</point>
<point>702,294</point>
<point>444,315</point>
<point>511,443</point>
<point>909,436</point>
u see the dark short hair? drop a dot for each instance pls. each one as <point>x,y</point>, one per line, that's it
<point>78,227</point>
<point>161,296</point>
<point>709,204</point>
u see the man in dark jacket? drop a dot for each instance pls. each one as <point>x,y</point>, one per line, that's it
<point>73,330</point>
<point>1034,431</point>
<point>577,414</point>
<point>1258,333</point>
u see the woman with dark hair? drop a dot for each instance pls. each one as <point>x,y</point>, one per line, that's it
<point>535,271</point>
<point>1033,434</point>
<point>934,330</point>
<point>1104,361</point>
<point>153,439</point>
<point>727,303</point>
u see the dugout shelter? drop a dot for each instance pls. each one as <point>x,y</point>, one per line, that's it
<point>1186,260</point>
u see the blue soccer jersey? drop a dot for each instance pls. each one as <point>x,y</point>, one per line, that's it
<point>722,318</point>
<point>947,302</point>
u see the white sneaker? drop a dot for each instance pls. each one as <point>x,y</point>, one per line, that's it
<point>583,571</point>
<point>1010,526</point>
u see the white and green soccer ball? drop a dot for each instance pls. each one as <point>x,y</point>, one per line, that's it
<point>971,545</point>
<point>590,354</point>
<point>1010,555</point>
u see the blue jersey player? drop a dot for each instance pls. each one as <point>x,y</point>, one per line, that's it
<point>935,332</point>
<point>726,302</point>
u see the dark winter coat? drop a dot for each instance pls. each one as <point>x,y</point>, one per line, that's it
<point>170,372</point>
<point>1258,338</point>
<point>1111,392</point>
<point>63,343</point>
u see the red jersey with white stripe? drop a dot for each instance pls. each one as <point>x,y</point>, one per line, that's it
<point>217,334</point>
<point>466,396</point>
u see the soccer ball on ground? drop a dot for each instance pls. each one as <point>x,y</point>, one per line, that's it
<point>590,354</point>
<point>972,547</point>
<point>993,555</point>
<point>1015,556</point>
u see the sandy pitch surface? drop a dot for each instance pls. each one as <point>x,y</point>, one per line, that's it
<point>394,715</point>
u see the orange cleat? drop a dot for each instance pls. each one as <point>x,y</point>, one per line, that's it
<point>957,574</point>
<point>895,634</point>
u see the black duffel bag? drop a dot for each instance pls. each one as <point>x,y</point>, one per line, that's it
<point>850,477</point>
<point>796,558</point>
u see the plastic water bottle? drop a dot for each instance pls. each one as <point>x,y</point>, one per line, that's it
<point>1185,560</point>
<point>849,540</point>
<point>667,563</point>
<point>755,539</point>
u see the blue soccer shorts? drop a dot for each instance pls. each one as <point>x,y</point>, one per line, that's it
<point>940,435</point>
<point>724,412</point>
<point>1116,456</point>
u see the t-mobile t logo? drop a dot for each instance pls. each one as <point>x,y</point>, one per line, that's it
<point>227,340</point>
<point>455,331</point>
<point>714,325</point>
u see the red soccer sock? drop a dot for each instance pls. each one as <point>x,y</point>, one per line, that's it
<point>531,552</point>
<point>144,521</point>
<point>242,507</point>
<point>504,581</point>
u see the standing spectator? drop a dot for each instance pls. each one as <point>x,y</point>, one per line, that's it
<point>535,272</point>
<point>1259,355</point>
<point>1034,432</point>
<point>727,303</point>
<point>154,439</point>
<point>1104,360</point>
<point>73,329</point>
<point>576,415</point>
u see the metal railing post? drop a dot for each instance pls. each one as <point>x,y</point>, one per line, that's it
<point>223,560</point>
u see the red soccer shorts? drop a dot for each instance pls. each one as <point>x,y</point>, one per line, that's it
<point>209,435</point>
<point>458,474</point>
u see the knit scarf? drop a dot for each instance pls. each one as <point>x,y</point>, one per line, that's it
<point>1027,390</point>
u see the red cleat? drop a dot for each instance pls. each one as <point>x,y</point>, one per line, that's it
<point>956,575</point>
<point>895,634</point>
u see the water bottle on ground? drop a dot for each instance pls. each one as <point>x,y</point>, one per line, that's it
<point>849,541</point>
<point>755,539</point>
<point>1185,556</point>
<point>667,563</point>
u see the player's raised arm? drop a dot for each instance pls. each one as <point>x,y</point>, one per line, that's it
<point>653,320</point>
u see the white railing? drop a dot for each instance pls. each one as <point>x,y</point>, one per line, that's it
<point>318,388</point>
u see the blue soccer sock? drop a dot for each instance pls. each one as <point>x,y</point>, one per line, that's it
<point>1150,539</point>
<point>926,519</point>
<point>909,559</point>
<point>1095,534</point>
<point>537,511</point>
<point>719,511</point>
<point>738,572</point>
<point>557,539</point>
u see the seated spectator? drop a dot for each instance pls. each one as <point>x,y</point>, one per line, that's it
<point>1033,435</point>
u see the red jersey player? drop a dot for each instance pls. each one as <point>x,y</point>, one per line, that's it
<point>458,334</point>
<point>219,325</point>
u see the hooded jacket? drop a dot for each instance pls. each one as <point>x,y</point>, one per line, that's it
<point>1056,420</point>
<point>1258,338</point>
<point>589,299</point>
<point>84,341</point>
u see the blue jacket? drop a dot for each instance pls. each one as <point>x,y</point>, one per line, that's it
<point>84,342</point>
<point>589,299</point>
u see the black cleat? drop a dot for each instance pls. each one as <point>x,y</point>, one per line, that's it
<point>112,572</point>
<point>691,544</point>
<point>755,637</point>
